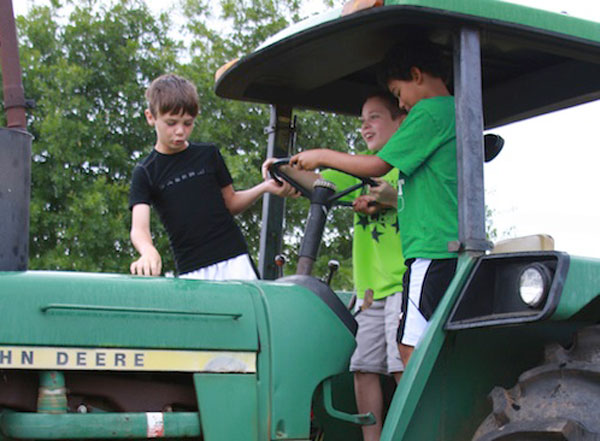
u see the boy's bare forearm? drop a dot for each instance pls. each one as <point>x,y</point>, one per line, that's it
<point>359,165</point>
<point>149,263</point>
<point>141,240</point>
<point>363,165</point>
<point>238,201</point>
<point>140,234</point>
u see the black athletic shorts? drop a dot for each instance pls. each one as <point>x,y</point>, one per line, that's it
<point>424,284</point>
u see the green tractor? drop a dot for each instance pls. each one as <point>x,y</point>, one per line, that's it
<point>512,352</point>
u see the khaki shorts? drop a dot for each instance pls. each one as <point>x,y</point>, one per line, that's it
<point>376,346</point>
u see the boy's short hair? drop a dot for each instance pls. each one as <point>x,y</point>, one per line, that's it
<point>390,102</point>
<point>171,93</point>
<point>409,53</point>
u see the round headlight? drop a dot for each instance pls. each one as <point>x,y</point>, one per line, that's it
<point>533,284</point>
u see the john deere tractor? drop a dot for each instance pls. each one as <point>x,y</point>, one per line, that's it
<point>511,353</point>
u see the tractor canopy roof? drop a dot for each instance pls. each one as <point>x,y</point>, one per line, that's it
<point>533,61</point>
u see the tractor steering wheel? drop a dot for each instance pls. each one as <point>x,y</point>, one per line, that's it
<point>278,174</point>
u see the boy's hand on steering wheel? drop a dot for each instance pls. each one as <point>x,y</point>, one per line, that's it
<point>265,167</point>
<point>281,189</point>
<point>308,160</point>
<point>366,204</point>
<point>276,186</point>
<point>384,193</point>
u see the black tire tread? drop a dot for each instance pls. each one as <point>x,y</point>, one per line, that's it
<point>558,400</point>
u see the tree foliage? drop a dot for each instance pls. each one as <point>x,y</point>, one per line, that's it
<point>87,77</point>
<point>87,65</point>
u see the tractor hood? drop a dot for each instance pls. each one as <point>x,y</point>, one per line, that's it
<point>533,61</point>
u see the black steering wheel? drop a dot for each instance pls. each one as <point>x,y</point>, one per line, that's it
<point>278,174</point>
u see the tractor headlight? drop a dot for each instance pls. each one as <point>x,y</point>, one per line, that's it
<point>534,282</point>
<point>510,288</point>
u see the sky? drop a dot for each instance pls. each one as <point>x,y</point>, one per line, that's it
<point>547,178</point>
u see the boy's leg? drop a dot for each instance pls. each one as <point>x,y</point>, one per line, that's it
<point>405,352</point>
<point>367,363</point>
<point>369,398</point>
<point>393,308</point>
<point>425,283</point>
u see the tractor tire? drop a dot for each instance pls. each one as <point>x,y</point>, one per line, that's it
<point>558,400</point>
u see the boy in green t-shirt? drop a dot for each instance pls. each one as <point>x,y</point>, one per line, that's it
<point>424,152</point>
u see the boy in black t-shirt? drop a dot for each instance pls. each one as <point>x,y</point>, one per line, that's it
<point>190,187</point>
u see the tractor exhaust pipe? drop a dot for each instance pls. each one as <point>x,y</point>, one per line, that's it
<point>14,96</point>
<point>15,152</point>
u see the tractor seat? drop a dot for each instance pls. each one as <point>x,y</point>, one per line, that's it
<point>535,242</point>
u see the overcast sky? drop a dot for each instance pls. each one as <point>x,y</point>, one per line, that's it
<point>547,178</point>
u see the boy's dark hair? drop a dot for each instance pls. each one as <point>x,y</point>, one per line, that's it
<point>171,93</point>
<point>390,102</point>
<point>412,53</point>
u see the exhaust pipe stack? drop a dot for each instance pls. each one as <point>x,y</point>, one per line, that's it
<point>15,152</point>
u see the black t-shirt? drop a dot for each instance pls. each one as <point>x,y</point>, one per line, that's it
<point>185,189</point>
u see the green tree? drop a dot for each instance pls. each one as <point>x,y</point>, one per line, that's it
<point>88,76</point>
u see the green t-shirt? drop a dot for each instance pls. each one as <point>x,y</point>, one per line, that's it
<point>424,151</point>
<point>377,259</point>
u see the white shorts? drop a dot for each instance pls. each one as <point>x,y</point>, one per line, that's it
<point>236,268</point>
<point>376,347</point>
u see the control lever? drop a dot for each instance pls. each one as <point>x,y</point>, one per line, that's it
<point>365,419</point>
<point>279,262</point>
<point>333,266</point>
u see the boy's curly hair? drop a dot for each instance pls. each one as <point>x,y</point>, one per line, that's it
<point>413,53</point>
<point>171,93</point>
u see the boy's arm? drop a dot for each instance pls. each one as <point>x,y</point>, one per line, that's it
<point>149,263</point>
<point>238,201</point>
<point>359,165</point>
